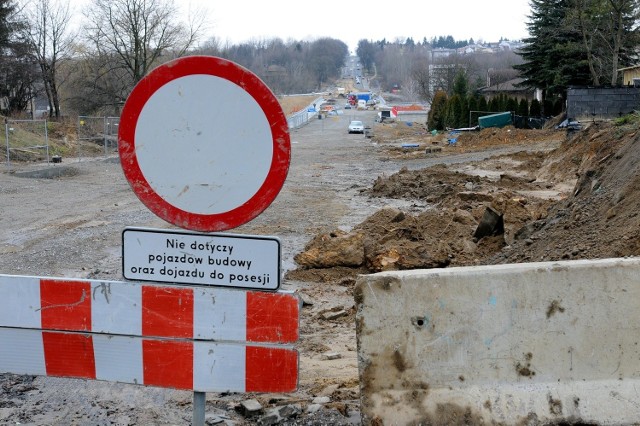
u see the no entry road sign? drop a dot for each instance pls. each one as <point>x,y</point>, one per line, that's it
<point>204,143</point>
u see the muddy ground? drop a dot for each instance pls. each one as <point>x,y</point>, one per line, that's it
<point>572,198</point>
<point>403,199</point>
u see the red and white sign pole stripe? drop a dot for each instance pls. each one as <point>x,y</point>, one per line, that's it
<point>167,336</point>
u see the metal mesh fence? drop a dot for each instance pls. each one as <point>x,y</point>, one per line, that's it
<point>26,140</point>
<point>97,132</point>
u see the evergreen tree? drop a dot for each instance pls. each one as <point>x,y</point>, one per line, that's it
<point>547,107</point>
<point>437,112</point>
<point>450,42</point>
<point>494,104</point>
<point>410,43</point>
<point>454,112</point>
<point>463,120</point>
<point>7,27</point>
<point>523,108</point>
<point>472,105</point>
<point>497,103</point>
<point>558,107</point>
<point>536,109</point>
<point>553,55</point>
<point>482,104</point>
<point>460,84</point>
<point>503,102</point>
<point>19,68</point>
<point>511,105</point>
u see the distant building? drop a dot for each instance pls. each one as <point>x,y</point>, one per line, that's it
<point>276,70</point>
<point>510,45</point>
<point>441,53</point>
<point>39,107</point>
<point>441,75</point>
<point>475,48</point>
<point>510,88</point>
<point>630,76</point>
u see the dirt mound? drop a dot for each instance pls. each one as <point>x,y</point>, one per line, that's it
<point>396,131</point>
<point>600,217</point>
<point>292,104</point>
<point>506,136</point>
<point>596,217</point>
<point>400,140</point>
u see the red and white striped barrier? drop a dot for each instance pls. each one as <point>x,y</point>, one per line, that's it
<point>167,336</point>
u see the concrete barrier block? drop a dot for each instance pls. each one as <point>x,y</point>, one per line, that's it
<point>535,343</point>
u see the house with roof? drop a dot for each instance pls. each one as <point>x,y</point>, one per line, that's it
<point>511,88</point>
<point>630,76</point>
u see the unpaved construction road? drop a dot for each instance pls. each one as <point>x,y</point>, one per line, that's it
<point>71,227</point>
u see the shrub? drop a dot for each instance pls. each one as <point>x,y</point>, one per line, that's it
<point>437,112</point>
<point>536,109</point>
<point>523,107</point>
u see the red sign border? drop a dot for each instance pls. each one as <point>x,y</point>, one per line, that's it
<point>207,65</point>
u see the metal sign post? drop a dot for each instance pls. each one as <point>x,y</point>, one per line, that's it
<point>205,146</point>
<point>199,403</point>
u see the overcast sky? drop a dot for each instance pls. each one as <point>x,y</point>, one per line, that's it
<point>240,21</point>
<point>350,21</point>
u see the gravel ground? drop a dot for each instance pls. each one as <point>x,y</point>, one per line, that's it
<point>71,226</point>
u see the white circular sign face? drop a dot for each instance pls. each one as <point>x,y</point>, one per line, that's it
<point>204,143</point>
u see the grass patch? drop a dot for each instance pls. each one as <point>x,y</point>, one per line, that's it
<point>632,119</point>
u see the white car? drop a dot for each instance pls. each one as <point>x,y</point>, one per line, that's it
<point>356,127</point>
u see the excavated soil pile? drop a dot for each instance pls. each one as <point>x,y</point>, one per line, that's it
<point>546,215</point>
<point>599,219</point>
<point>398,132</point>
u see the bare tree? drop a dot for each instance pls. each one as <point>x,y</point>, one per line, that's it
<point>497,77</point>
<point>8,11</point>
<point>96,86</point>
<point>443,72</point>
<point>366,52</point>
<point>609,30</point>
<point>622,26</point>
<point>421,77</point>
<point>579,15</point>
<point>137,33</point>
<point>411,90</point>
<point>49,38</point>
<point>394,63</point>
<point>326,57</point>
<point>18,72</point>
<point>20,75</point>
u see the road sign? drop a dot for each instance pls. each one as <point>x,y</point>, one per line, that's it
<point>204,143</point>
<point>227,260</point>
<point>166,336</point>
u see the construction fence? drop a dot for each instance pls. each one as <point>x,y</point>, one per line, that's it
<point>98,131</point>
<point>26,139</point>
